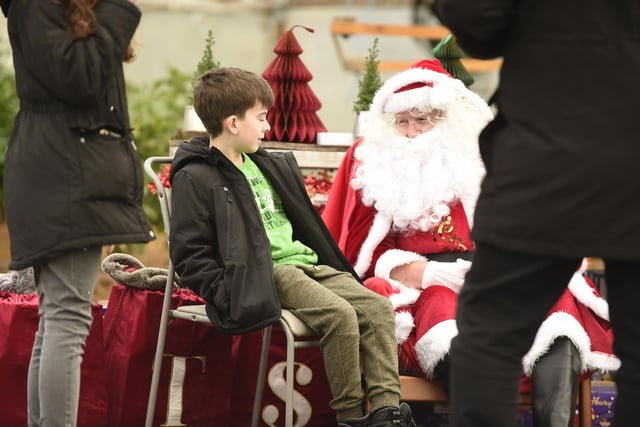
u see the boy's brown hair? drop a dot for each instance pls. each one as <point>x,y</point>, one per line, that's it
<point>228,91</point>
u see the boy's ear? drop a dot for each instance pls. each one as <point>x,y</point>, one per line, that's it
<point>231,123</point>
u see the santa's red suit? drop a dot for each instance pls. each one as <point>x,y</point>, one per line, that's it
<point>365,214</point>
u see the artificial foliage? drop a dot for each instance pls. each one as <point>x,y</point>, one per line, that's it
<point>207,62</point>
<point>450,55</point>
<point>293,115</point>
<point>155,109</point>
<point>370,81</point>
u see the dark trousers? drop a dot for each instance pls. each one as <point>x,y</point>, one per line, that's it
<point>504,300</point>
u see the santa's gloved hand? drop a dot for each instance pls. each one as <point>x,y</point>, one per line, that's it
<point>449,274</point>
<point>380,286</point>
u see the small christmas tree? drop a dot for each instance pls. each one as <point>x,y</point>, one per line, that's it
<point>293,115</point>
<point>191,123</point>
<point>206,62</point>
<point>370,82</point>
<point>449,54</point>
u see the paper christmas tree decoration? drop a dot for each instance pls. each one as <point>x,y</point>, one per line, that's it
<point>449,54</point>
<point>293,116</point>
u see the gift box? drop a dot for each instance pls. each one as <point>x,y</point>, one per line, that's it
<point>603,403</point>
<point>525,417</point>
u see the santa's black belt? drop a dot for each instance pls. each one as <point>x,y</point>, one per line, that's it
<point>450,256</point>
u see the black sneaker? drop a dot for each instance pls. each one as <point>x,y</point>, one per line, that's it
<point>355,422</point>
<point>392,417</point>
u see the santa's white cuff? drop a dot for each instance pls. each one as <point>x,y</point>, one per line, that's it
<point>404,326</point>
<point>393,258</point>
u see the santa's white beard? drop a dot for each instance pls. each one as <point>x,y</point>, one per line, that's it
<point>413,181</point>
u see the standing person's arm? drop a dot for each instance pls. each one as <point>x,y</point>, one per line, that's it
<point>481,27</point>
<point>77,71</point>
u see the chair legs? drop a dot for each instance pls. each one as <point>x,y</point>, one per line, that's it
<point>157,361</point>
<point>262,373</point>
<point>292,328</point>
<point>288,417</point>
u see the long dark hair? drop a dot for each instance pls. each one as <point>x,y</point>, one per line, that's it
<point>81,19</point>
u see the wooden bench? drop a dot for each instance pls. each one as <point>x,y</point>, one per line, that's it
<point>419,389</point>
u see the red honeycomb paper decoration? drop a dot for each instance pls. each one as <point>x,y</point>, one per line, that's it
<point>293,115</point>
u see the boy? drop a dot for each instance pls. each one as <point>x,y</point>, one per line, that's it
<point>244,232</point>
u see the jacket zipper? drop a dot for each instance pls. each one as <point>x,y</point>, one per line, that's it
<point>228,218</point>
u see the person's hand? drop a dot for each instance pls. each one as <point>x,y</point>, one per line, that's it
<point>449,274</point>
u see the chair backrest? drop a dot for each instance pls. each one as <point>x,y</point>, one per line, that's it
<point>163,193</point>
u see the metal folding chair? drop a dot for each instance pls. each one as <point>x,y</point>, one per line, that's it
<point>292,326</point>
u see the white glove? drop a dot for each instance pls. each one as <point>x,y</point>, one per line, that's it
<point>449,274</point>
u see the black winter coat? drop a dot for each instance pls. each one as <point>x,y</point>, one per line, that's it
<point>72,175</point>
<point>218,243</point>
<point>563,152</point>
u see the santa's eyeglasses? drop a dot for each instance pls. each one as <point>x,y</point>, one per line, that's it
<point>420,121</point>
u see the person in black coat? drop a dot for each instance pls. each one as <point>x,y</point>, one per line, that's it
<point>561,158</point>
<point>246,238</point>
<point>72,176</point>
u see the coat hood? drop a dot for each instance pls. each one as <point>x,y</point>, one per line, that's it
<point>195,150</point>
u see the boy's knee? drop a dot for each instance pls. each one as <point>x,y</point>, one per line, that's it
<point>344,313</point>
<point>381,304</point>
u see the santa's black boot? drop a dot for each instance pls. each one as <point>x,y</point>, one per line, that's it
<point>555,385</point>
<point>441,373</point>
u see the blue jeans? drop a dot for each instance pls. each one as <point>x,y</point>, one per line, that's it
<point>65,287</point>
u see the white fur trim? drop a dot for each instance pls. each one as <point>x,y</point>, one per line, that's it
<point>603,362</point>
<point>393,258</point>
<point>584,265</point>
<point>404,326</point>
<point>433,346</point>
<point>385,100</point>
<point>440,96</point>
<point>444,91</point>
<point>379,229</point>
<point>558,324</point>
<point>407,296</point>
<point>584,293</point>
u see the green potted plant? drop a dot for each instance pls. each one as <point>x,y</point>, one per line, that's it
<point>368,85</point>
<point>191,123</point>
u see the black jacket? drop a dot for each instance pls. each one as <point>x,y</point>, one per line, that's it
<point>562,153</point>
<point>218,243</point>
<point>66,185</point>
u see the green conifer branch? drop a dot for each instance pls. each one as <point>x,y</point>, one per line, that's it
<point>370,81</point>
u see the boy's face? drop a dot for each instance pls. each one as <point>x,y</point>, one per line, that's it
<point>252,128</point>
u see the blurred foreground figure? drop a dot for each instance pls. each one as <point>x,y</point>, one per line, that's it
<point>561,159</point>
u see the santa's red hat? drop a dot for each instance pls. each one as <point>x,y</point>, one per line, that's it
<point>425,85</point>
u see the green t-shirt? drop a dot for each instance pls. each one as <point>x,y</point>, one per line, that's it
<point>284,250</point>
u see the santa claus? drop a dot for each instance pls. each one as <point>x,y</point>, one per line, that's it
<point>401,208</point>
